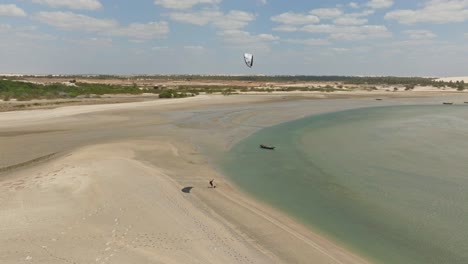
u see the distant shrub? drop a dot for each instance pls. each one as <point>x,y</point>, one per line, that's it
<point>25,91</point>
<point>165,94</point>
<point>174,94</point>
<point>409,87</point>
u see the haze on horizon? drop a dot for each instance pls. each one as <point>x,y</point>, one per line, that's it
<point>333,37</point>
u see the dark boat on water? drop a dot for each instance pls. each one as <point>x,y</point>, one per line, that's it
<point>266,147</point>
<point>446,103</point>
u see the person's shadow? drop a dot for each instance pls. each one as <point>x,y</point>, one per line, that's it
<point>187,189</point>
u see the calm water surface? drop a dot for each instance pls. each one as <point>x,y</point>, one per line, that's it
<point>388,182</point>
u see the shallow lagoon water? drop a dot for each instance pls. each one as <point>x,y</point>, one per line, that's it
<point>388,182</point>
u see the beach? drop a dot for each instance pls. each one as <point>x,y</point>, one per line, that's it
<point>128,183</point>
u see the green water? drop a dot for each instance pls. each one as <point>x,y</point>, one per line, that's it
<point>388,182</point>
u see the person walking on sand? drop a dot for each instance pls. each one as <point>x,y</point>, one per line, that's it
<point>211,183</point>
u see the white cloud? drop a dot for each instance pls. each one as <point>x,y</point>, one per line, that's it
<point>349,32</point>
<point>416,44</point>
<point>10,28</point>
<point>362,14</point>
<point>184,4</point>
<point>5,28</point>
<point>232,20</point>
<point>72,21</point>
<point>263,2</point>
<point>326,13</point>
<point>340,50</point>
<point>354,5</point>
<point>141,31</point>
<point>194,48</point>
<point>434,11</point>
<point>376,4</point>
<point>322,28</point>
<point>229,26</point>
<point>92,42</point>
<point>243,39</point>
<point>236,36</point>
<point>420,34</point>
<point>23,34</point>
<point>291,18</point>
<point>267,37</point>
<point>35,36</point>
<point>199,18</point>
<point>109,27</point>
<point>11,10</point>
<point>350,20</point>
<point>285,28</point>
<point>309,42</point>
<point>351,26</point>
<point>73,4</point>
<point>353,19</point>
<point>157,48</point>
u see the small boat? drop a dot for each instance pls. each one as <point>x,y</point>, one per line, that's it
<point>447,103</point>
<point>466,102</point>
<point>378,99</point>
<point>266,147</point>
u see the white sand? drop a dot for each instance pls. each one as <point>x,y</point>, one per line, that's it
<point>99,205</point>
<point>115,193</point>
<point>454,79</point>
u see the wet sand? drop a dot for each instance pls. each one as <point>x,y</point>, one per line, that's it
<point>108,183</point>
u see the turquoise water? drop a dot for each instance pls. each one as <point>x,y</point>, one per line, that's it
<point>388,182</point>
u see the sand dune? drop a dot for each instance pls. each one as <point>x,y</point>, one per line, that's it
<point>454,79</point>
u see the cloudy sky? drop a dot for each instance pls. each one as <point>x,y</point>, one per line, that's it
<point>320,37</point>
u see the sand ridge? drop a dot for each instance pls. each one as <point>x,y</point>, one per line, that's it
<point>98,205</point>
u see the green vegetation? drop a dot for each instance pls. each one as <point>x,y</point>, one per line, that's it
<point>174,94</point>
<point>390,80</point>
<point>460,85</point>
<point>45,104</point>
<point>409,87</point>
<point>339,80</point>
<point>229,89</point>
<point>24,91</point>
<point>261,78</point>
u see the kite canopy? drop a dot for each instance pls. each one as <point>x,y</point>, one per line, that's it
<point>248,58</point>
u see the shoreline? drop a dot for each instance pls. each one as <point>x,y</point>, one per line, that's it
<point>44,104</point>
<point>162,140</point>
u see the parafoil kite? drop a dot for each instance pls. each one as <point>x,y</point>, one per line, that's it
<point>248,58</point>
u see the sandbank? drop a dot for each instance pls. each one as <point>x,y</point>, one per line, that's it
<point>128,183</point>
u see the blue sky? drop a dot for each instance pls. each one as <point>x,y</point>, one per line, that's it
<point>334,37</point>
